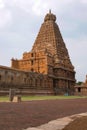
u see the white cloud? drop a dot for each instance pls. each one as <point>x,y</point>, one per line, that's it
<point>5,18</point>
<point>78,54</point>
<point>38,7</point>
<point>5,15</point>
<point>1,4</point>
<point>84,1</point>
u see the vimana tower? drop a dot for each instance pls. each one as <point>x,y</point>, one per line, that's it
<point>49,56</point>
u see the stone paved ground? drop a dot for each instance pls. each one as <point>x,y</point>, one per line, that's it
<point>17,116</point>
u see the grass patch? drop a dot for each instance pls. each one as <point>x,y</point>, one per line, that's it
<point>4,98</point>
<point>31,98</point>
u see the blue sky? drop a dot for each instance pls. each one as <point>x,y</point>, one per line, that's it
<point>20,21</point>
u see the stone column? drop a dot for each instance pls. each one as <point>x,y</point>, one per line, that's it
<point>11,94</point>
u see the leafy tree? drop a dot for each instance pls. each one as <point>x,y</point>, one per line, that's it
<point>79,83</point>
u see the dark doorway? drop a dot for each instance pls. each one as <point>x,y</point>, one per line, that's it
<point>79,89</point>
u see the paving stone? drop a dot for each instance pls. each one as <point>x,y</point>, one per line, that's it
<point>56,124</point>
<point>51,127</point>
<point>78,115</point>
<point>83,114</point>
<point>33,128</point>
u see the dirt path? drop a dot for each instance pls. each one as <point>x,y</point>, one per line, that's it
<point>78,124</point>
<point>16,116</point>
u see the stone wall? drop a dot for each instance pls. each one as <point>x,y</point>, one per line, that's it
<point>24,82</point>
<point>32,61</point>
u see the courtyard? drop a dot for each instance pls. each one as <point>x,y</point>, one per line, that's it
<point>21,115</point>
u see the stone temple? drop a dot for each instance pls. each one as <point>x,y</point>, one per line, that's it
<point>47,68</point>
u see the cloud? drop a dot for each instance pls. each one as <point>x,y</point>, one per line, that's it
<point>1,4</point>
<point>38,7</point>
<point>12,45</point>
<point>77,48</point>
<point>84,1</point>
<point>5,15</point>
<point>31,7</point>
<point>5,18</point>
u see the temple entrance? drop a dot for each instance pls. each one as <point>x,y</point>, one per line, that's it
<point>79,90</point>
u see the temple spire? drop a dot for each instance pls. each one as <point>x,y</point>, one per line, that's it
<point>49,11</point>
<point>50,17</point>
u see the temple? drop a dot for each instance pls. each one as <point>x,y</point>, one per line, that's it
<point>81,89</point>
<point>48,57</point>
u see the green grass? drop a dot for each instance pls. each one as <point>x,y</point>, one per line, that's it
<point>30,98</point>
<point>4,98</point>
<point>26,98</point>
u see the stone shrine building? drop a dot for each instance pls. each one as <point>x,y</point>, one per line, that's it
<point>49,60</point>
<point>81,89</point>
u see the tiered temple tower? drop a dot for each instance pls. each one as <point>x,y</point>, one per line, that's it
<point>49,56</point>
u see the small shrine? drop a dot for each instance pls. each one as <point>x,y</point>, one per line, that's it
<point>81,89</point>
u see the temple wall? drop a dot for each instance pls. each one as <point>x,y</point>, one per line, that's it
<point>81,91</point>
<point>32,61</point>
<point>24,81</point>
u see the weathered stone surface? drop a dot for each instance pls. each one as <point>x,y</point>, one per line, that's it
<point>58,124</point>
<point>24,82</point>
<point>17,98</point>
<point>33,129</point>
<point>11,94</point>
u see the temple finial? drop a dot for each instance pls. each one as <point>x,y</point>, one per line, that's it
<point>49,11</point>
<point>50,16</point>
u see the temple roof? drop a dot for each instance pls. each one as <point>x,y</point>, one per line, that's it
<point>50,16</point>
<point>50,39</point>
<point>49,36</point>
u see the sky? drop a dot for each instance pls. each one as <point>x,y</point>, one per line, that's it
<point>20,21</point>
